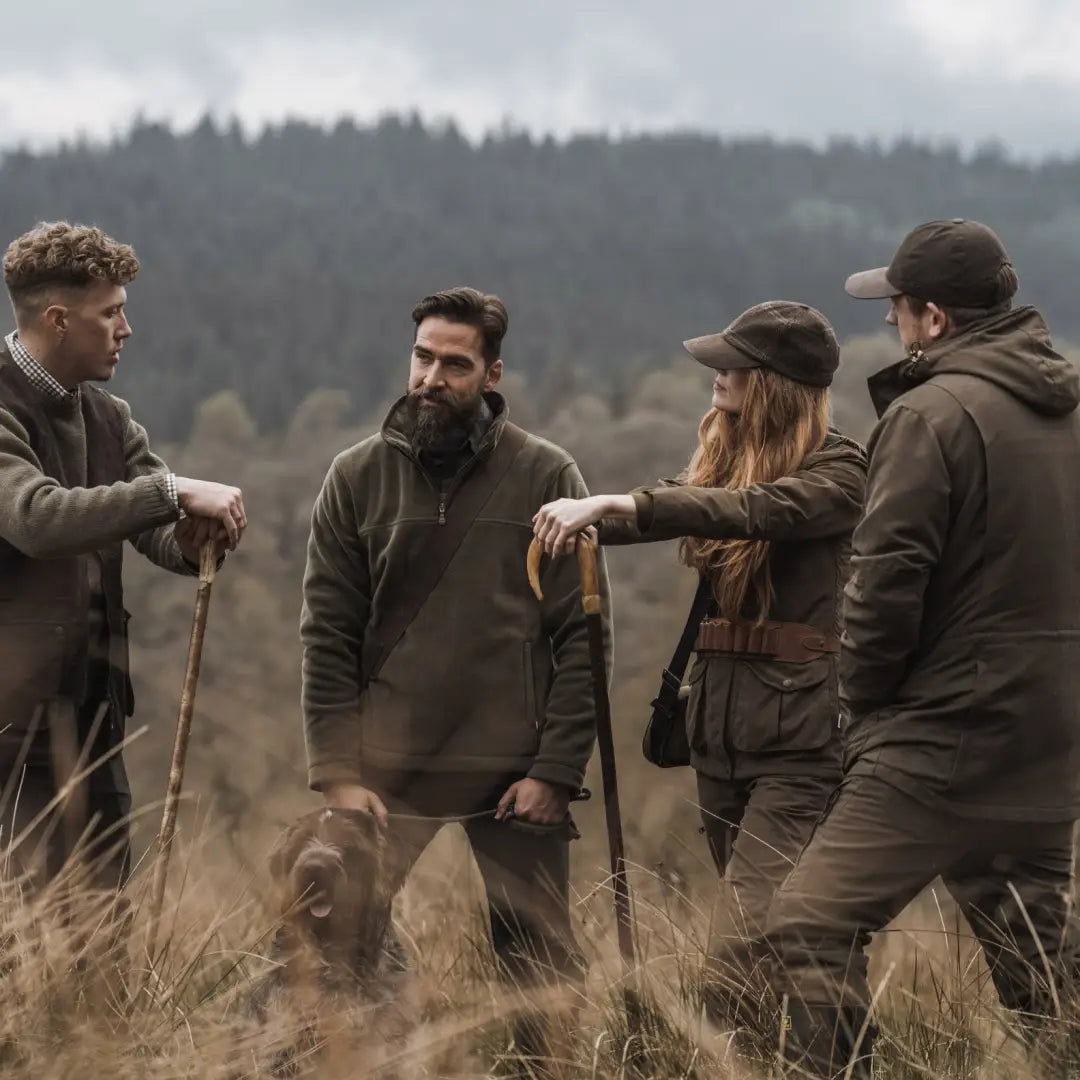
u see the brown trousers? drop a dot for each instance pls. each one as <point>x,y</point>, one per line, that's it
<point>39,832</point>
<point>526,873</point>
<point>755,830</point>
<point>876,848</point>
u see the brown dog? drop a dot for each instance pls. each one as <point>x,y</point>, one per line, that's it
<point>341,978</point>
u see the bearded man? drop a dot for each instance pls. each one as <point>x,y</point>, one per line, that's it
<point>436,686</point>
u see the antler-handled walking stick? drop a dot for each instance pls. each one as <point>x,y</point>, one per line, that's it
<point>207,572</point>
<point>590,601</point>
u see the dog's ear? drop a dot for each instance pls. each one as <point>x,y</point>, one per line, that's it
<point>370,828</point>
<point>287,849</point>
<point>358,831</point>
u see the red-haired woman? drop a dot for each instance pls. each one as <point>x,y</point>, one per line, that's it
<point>764,512</point>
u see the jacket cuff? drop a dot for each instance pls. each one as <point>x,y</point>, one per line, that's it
<point>644,505</point>
<point>324,774</point>
<point>164,486</point>
<point>552,772</point>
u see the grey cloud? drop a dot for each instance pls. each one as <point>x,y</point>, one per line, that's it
<point>796,70</point>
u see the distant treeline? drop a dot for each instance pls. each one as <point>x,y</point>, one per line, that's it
<point>290,262</point>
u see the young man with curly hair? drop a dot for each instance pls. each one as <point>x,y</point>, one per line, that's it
<point>77,478</point>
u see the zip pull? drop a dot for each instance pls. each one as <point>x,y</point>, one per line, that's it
<point>442,507</point>
<point>915,356</point>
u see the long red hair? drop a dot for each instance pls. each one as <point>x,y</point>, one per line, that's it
<point>781,422</point>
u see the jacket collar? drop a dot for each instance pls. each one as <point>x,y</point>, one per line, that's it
<point>920,365</point>
<point>482,439</point>
<point>38,376</point>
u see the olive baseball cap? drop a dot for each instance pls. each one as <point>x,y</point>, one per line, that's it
<point>958,263</point>
<point>793,339</point>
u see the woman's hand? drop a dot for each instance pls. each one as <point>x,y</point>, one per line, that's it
<point>558,523</point>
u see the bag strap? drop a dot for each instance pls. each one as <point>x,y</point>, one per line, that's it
<point>440,545</point>
<point>671,679</point>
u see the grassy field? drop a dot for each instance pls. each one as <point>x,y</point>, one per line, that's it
<point>75,1005</point>
<point>183,1015</point>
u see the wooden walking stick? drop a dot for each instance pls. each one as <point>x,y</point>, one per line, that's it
<point>207,572</point>
<point>590,601</point>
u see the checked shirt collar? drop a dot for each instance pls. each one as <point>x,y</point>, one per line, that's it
<point>37,375</point>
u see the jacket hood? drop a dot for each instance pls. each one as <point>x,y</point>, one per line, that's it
<point>1012,351</point>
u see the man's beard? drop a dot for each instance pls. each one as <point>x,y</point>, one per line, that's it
<point>437,422</point>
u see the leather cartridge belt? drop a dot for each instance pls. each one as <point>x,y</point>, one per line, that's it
<point>792,643</point>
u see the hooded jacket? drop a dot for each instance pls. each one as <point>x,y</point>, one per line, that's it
<point>960,666</point>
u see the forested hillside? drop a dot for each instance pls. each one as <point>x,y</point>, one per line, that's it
<point>272,329</point>
<point>287,264</point>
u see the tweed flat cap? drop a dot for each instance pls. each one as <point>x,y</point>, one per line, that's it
<point>793,339</point>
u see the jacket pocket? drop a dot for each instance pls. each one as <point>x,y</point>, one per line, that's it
<point>128,703</point>
<point>532,714</point>
<point>696,717</point>
<point>31,664</point>
<point>779,706</point>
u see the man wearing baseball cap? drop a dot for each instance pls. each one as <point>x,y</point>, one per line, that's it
<point>960,659</point>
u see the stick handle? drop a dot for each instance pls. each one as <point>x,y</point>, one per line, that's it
<point>590,582</point>
<point>532,567</point>
<point>207,572</point>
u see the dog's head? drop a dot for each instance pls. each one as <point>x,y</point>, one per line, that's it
<point>329,872</point>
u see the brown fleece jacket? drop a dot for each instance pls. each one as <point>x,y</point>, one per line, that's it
<point>486,679</point>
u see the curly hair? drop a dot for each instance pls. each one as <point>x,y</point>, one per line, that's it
<point>58,254</point>
<point>465,305</point>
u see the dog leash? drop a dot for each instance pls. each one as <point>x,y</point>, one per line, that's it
<point>565,827</point>
<point>510,819</point>
<point>444,819</point>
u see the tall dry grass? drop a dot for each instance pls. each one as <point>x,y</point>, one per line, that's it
<point>78,1000</point>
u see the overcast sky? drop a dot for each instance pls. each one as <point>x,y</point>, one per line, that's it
<point>966,70</point>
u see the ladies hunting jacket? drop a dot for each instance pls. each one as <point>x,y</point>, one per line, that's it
<point>752,717</point>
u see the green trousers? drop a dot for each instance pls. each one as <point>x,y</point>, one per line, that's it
<point>875,849</point>
<point>755,830</point>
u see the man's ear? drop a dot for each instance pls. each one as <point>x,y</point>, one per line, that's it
<point>494,374</point>
<point>937,322</point>
<point>56,318</point>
